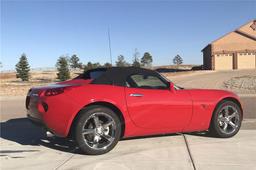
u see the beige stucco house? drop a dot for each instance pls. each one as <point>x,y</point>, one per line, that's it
<point>235,50</point>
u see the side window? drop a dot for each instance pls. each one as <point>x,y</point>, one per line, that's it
<point>96,74</point>
<point>146,82</point>
<point>91,74</point>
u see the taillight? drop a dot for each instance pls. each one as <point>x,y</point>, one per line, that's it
<point>54,91</point>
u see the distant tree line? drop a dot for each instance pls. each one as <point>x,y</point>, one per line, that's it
<point>65,64</point>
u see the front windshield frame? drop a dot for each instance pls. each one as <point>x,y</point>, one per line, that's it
<point>175,86</point>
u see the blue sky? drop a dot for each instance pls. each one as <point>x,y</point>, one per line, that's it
<point>45,30</point>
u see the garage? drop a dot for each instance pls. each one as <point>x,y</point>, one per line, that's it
<point>246,61</point>
<point>223,62</point>
<point>234,50</point>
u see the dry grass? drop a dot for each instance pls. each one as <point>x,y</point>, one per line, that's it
<point>11,86</point>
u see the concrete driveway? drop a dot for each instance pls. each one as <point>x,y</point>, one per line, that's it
<point>25,146</point>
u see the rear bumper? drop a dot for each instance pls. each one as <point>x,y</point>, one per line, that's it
<point>36,118</point>
<point>54,113</point>
<point>33,113</point>
<point>35,121</point>
<point>39,123</point>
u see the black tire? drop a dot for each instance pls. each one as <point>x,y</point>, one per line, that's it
<point>216,129</point>
<point>86,116</point>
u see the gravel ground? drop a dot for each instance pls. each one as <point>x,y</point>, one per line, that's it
<point>238,81</point>
<point>243,84</point>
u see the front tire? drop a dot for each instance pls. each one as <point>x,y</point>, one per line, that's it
<point>98,130</point>
<point>226,120</point>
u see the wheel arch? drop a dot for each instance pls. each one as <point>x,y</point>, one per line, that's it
<point>109,105</point>
<point>212,128</point>
<point>233,99</point>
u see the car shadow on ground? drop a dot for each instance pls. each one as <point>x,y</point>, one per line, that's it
<point>22,131</point>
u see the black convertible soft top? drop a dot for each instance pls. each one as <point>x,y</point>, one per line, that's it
<point>118,75</point>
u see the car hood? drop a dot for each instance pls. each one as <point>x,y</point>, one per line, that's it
<point>210,94</point>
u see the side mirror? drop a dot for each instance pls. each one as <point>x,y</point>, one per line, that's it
<point>171,86</point>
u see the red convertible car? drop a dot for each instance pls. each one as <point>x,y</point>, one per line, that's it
<point>103,105</point>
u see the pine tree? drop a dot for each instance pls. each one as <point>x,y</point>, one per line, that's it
<point>22,68</point>
<point>147,60</point>
<point>74,62</point>
<point>177,60</point>
<point>121,61</point>
<point>107,65</point>
<point>63,69</point>
<point>91,65</point>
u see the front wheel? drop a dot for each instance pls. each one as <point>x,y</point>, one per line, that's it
<point>226,120</point>
<point>98,130</point>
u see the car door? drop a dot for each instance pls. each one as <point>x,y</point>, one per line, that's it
<point>153,105</point>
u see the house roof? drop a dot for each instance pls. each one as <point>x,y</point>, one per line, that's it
<point>238,31</point>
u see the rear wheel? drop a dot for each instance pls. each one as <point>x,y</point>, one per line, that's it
<point>226,120</point>
<point>98,130</point>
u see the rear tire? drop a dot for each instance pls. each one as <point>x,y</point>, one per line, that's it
<point>98,130</point>
<point>226,120</point>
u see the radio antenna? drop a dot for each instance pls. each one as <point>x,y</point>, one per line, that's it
<point>109,45</point>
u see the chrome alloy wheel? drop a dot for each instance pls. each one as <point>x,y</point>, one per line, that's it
<point>228,119</point>
<point>99,131</point>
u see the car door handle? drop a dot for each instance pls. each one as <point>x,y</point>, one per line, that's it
<point>136,95</point>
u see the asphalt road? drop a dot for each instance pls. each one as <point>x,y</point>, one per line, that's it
<point>249,107</point>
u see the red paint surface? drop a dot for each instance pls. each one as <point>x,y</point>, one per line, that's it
<point>156,112</point>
